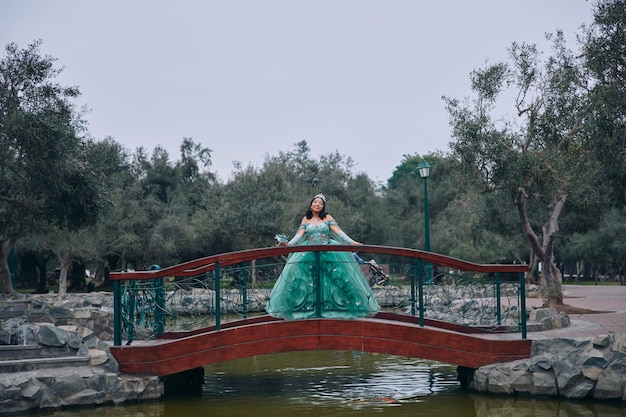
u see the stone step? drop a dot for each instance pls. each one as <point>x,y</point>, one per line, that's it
<point>10,314</point>
<point>24,365</point>
<point>17,352</point>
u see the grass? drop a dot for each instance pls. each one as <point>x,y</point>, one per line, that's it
<point>593,283</point>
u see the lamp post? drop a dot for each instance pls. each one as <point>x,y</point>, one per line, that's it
<point>424,170</point>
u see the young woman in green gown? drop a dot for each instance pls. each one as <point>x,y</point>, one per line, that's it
<point>345,292</point>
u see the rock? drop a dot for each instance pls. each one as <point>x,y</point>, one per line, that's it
<point>618,361</point>
<point>85,397</point>
<point>480,382</point>
<point>499,381</point>
<point>566,373</point>
<point>5,337</point>
<point>60,313</point>
<point>25,334</point>
<point>592,363</point>
<point>561,320</point>
<point>92,341</point>
<point>9,329</point>
<point>50,335</point>
<point>544,383</point>
<point>521,377</point>
<point>71,383</point>
<point>97,356</point>
<point>82,313</point>
<point>540,314</point>
<point>48,399</point>
<point>33,390</point>
<point>610,386</point>
<point>601,341</point>
<point>618,343</point>
<point>533,327</point>
<point>10,393</point>
<point>539,363</point>
<point>83,350</point>
<point>579,388</point>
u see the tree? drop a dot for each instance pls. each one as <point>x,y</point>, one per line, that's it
<point>604,55</point>
<point>603,248</point>
<point>45,179</point>
<point>536,162</point>
<point>404,200</point>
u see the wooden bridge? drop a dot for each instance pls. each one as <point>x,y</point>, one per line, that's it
<point>409,334</point>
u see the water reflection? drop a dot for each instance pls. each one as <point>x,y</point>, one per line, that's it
<point>528,406</point>
<point>326,376</point>
<point>341,384</point>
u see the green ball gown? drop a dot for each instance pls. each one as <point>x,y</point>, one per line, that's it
<point>345,291</point>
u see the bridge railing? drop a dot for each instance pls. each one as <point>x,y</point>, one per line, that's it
<point>236,285</point>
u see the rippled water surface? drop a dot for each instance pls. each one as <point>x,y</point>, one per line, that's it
<point>334,383</point>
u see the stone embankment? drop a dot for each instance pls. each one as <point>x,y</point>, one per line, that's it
<point>571,368</point>
<point>54,353</point>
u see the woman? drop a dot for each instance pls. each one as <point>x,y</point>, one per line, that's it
<point>344,289</point>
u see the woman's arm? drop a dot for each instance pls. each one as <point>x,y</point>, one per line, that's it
<point>343,237</point>
<point>297,238</point>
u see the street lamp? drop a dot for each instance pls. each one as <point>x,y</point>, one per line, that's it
<point>424,170</point>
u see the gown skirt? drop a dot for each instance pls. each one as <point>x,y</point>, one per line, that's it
<point>345,292</point>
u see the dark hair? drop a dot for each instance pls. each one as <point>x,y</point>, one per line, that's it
<point>309,213</point>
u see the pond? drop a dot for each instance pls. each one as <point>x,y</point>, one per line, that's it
<point>341,384</point>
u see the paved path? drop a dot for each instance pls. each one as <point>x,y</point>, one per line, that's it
<point>609,299</point>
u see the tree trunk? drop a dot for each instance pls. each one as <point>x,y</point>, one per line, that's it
<point>42,281</point>
<point>64,266</point>
<point>6,284</point>
<point>551,278</point>
<point>551,273</point>
<point>533,273</point>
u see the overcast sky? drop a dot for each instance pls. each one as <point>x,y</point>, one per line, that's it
<point>249,78</point>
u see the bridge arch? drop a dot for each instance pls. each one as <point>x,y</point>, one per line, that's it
<point>384,333</point>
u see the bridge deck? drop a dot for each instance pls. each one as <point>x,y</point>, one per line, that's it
<point>385,333</point>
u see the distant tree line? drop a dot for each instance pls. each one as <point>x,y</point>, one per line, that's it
<point>543,185</point>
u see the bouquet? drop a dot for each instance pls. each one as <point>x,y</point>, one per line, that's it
<point>281,238</point>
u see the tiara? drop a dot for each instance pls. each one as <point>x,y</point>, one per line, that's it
<point>320,195</point>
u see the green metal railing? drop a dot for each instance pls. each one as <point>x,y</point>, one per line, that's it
<point>236,285</point>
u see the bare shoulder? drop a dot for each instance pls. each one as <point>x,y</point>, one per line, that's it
<point>329,218</point>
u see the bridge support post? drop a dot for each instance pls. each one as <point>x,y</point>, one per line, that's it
<point>498,300</point>
<point>131,307</point>
<point>412,283</point>
<point>420,287</point>
<point>159,307</point>
<point>465,375</point>
<point>218,296</point>
<point>522,303</point>
<point>244,295</point>
<point>117,313</point>
<point>184,383</point>
<point>318,286</point>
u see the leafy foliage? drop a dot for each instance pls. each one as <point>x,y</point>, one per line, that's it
<point>45,180</point>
